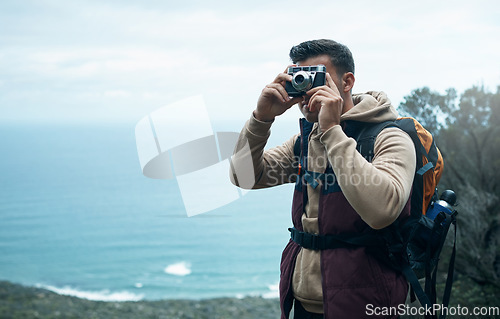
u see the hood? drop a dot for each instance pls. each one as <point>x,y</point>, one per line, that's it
<point>371,106</point>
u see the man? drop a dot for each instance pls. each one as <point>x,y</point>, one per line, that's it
<point>340,282</point>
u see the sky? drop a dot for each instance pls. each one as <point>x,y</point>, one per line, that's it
<point>113,61</point>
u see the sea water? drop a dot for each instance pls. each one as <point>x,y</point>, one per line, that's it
<point>78,217</point>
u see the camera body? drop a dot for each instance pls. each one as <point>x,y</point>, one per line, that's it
<point>305,78</point>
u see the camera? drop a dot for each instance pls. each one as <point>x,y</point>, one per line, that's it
<point>305,78</point>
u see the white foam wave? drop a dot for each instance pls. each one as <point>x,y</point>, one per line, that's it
<point>179,269</point>
<point>273,293</point>
<point>103,295</point>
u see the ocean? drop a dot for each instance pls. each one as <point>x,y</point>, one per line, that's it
<point>78,217</point>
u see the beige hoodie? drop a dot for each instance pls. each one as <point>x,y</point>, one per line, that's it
<point>377,191</point>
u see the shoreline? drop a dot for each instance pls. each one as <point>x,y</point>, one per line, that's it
<point>130,295</point>
<point>18,301</point>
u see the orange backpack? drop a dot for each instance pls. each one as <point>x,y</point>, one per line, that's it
<point>429,160</point>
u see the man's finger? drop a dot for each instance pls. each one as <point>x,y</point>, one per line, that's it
<point>294,100</point>
<point>286,70</point>
<point>282,77</point>
<point>280,89</point>
<point>274,93</point>
<point>330,83</point>
<point>325,88</point>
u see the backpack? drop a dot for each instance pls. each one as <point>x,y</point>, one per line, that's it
<point>413,246</point>
<point>422,238</point>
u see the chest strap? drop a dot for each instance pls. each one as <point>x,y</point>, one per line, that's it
<point>322,242</point>
<point>312,178</point>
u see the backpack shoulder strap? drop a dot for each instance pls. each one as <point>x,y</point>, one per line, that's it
<point>296,146</point>
<point>365,137</point>
<point>300,148</point>
<point>368,134</point>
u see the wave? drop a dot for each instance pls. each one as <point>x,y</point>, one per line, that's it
<point>179,269</point>
<point>273,293</point>
<point>103,295</point>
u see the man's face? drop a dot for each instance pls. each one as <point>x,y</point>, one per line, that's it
<point>303,105</point>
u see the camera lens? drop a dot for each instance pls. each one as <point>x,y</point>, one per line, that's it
<point>299,79</point>
<point>302,81</point>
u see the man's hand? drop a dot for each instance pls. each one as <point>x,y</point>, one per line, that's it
<point>274,99</point>
<point>328,102</point>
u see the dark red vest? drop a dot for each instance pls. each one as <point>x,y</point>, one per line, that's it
<point>352,279</point>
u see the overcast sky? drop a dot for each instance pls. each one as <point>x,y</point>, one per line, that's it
<point>116,61</point>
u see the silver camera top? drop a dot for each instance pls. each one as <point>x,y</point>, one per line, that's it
<point>311,68</point>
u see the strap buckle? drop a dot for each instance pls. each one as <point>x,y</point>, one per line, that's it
<point>306,240</point>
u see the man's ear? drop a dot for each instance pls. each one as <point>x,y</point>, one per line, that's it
<point>348,81</point>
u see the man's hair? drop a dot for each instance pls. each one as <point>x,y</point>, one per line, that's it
<point>340,55</point>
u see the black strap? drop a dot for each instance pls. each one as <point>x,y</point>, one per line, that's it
<point>322,242</point>
<point>431,257</point>
<point>301,152</point>
<point>425,168</point>
<point>415,285</point>
<point>451,272</point>
<point>367,136</point>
